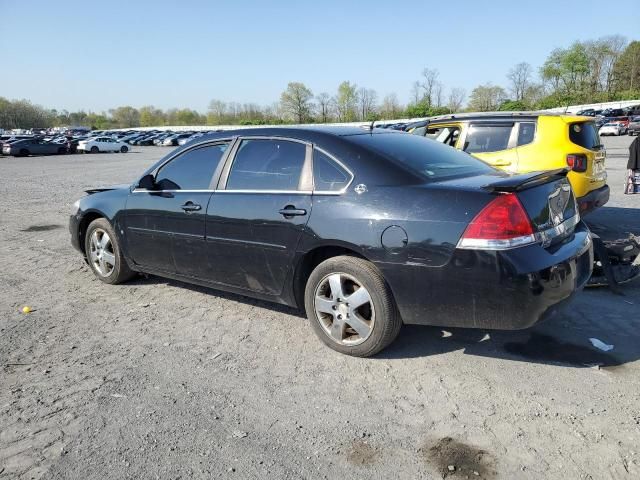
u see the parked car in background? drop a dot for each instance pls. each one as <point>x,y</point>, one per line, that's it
<point>612,128</point>
<point>612,112</point>
<point>634,125</point>
<point>102,144</point>
<point>589,112</point>
<point>173,139</point>
<point>293,216</point>
<point>528,142</point>
<point>33,146</point>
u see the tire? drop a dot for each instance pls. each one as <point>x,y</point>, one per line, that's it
<point>62,151</point>
<point>95,149</point>
<point>107,261</point>
<point>24,152</point>
<point>377,317</point>
<point>124,149</point>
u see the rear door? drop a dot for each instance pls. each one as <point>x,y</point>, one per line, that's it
<point>258,213</point>
<point>493,142</point>
<point>165,227</point>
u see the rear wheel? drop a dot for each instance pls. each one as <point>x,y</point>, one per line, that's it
<point>24,152</point>
<point>62,151</point>
<point>124,149</point>
<point>350,307</point>
<point>104,253</point>
<point>94,149</point>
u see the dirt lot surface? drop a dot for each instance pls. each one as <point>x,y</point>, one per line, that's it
<point>157,379</point>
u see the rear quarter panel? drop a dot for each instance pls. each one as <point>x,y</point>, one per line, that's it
<point>549,151</point>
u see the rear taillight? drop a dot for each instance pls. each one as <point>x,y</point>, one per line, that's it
<point>500,225</point>
<point>577,162</point>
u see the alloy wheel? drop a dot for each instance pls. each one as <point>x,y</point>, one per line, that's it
<point>101,253</point>
<point>344,309</point>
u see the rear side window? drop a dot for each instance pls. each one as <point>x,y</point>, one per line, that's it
<point>430,159</point>
<point>584,134</point>
<point>267,165</point>
<point>487,138</point>
<point>328,176</point>
<point>192,170</point>
<point>526,132</point>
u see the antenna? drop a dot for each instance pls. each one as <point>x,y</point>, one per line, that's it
<point>372,124</point>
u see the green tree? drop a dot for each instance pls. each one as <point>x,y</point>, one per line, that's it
<point>486,98</point>
<point>626,71</point>
<point>346,102</point>
<point>125,117</point>
<point>151,116</point>
<point>296,101</point>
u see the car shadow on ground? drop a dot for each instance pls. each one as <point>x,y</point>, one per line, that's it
<point>534,345</point>
<point>556,341</point>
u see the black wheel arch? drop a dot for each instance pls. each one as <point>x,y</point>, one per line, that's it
<point>309,260</point>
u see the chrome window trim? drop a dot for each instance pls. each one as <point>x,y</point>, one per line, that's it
<point>144,190</point>
<point>304,173</point>
<point>271,192</point>
<point>204,143</point>
<point>342,165</point>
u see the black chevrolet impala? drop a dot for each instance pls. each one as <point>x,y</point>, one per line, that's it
<point>366,229</point>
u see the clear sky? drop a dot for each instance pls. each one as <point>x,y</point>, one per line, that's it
<point>96,55</point>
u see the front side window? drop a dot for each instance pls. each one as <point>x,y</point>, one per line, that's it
<point>487,138</point>
<point>192,170</point>
<point>447,135</point>
<point>328,176</point>
<point>267,165</point>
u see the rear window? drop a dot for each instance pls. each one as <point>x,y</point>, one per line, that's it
<point>584,134</point>
<point>429,158</point>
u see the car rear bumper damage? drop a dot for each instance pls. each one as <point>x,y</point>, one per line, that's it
<point>507,290</point>
<point>594,199</point>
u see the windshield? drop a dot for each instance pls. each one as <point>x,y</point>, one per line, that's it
<point>427,157</point>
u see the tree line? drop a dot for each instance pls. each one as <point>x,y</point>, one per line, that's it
<point>592,71</point>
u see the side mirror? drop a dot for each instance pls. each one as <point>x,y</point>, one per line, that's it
<point>148,182</point>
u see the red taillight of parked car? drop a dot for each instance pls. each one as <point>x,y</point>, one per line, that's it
<point>502,224</point>
<point>577,162</point>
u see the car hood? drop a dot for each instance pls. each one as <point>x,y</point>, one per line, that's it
<point>123,186</point>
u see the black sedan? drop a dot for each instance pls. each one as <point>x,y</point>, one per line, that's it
<point>33,146</point>
<point>365,229</point>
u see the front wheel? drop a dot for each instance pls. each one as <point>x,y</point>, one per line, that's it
<point>124,149</point>
<point>350,306</point>
<point>104,254</point>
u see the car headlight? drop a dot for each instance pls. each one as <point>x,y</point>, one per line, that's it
<point>76,207</point>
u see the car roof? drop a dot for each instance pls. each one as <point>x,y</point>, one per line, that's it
<point>505,116</point>
<point>300,132</point>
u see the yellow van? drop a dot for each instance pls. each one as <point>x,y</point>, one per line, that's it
<point>528,142</point>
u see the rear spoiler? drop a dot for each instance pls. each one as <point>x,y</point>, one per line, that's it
<point>523,181</point>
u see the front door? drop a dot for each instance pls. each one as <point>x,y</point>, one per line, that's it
<point>165,227</point>
<point>256,217</point>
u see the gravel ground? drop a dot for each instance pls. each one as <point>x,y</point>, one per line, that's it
<point>158,379</point>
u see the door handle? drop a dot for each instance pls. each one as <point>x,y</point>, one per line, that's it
<point>501,162</point>
<point>191,207</point>
<point>291,211</point>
